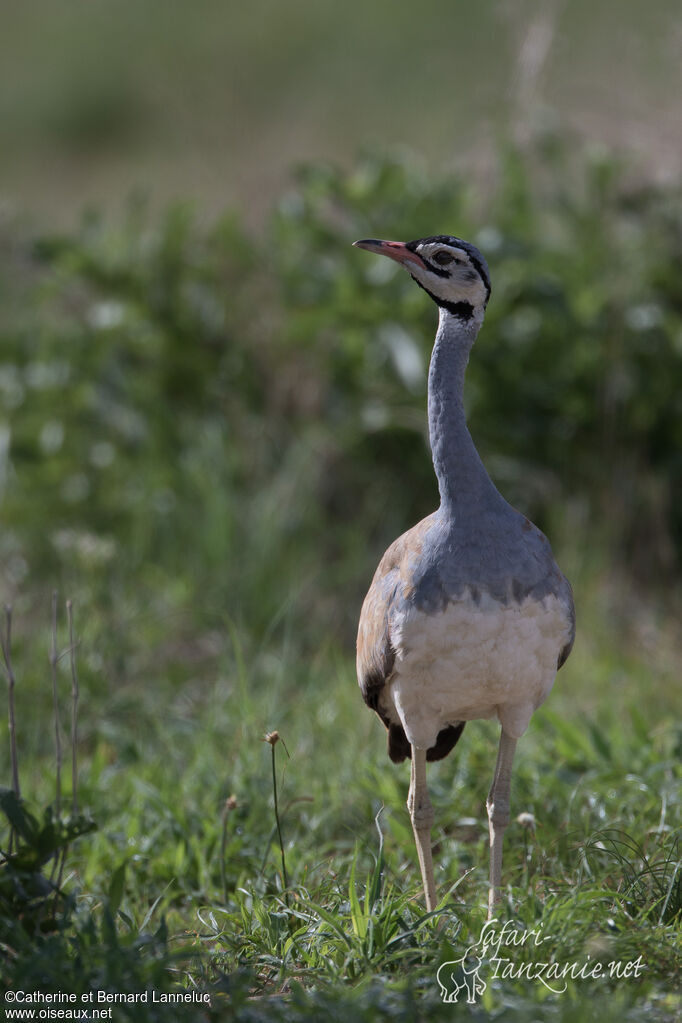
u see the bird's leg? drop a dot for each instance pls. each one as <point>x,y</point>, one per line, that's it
<point>421,814</point>
<point>498,814</point>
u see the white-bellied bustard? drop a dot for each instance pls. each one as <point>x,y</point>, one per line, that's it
<point>468,615</point>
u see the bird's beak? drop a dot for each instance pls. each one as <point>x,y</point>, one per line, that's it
<point>394,250</point>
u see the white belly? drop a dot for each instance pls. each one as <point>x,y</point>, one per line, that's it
<point>474,660</point>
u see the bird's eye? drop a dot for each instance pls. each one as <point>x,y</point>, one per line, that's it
<point>443,257</point>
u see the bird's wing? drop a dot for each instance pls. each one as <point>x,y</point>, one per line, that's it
<point>391,584</point>
<point>375,654</point>
<point>570,613</point>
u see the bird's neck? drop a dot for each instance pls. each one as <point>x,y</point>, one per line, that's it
<point>462,479</point>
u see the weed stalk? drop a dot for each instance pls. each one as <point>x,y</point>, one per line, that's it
<point>6,640</point>
<point>55,705</point>
<point>273,739</point>
<point>74,708</point>
<point>60,859</point>
<point>230,805</point>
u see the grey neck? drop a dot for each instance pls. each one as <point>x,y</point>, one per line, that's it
<point>463,481</point>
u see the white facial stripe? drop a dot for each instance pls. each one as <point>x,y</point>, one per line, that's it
<point>433,247</point>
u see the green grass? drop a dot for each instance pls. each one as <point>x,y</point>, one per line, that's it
<point>599,873</point>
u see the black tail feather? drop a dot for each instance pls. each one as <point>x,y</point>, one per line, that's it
<point>399,748</point>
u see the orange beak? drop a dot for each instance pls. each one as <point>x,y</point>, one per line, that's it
<point>394,250</point>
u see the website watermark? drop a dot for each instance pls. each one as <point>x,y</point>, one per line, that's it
<point>90,1005</point>
<point>492,957</point>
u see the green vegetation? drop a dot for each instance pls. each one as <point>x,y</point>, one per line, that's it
<point>207,441</point>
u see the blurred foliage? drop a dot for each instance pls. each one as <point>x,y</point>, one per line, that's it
<point>237,422</point>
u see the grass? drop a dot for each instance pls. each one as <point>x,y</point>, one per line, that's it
<point>202,891</point>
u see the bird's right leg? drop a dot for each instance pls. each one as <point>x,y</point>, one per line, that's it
<point>498,815</point>
<point>421,814</point>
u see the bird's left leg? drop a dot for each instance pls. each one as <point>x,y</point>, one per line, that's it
<point>498,814</point>
<point>421,814</point>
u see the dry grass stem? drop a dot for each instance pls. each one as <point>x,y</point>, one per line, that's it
<point>273,738</point>
<point>74,707</point>
<point>6,640</point>
<point>54,658</point>
<point>230,805</point>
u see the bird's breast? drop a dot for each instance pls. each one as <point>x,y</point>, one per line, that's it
<point>474,657</point>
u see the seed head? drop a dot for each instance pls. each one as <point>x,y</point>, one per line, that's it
<point>526,820</point>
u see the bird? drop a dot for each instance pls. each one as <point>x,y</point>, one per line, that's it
<point>468,615</point>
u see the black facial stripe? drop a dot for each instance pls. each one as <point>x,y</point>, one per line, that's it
<point>464,310</point>
<point>481,273</point>
<point>434,268</point>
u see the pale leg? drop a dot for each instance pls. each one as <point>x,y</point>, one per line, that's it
<point>421,813</point>
<point>498,814</point>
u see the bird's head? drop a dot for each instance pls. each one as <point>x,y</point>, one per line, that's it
<point>453,272</point>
